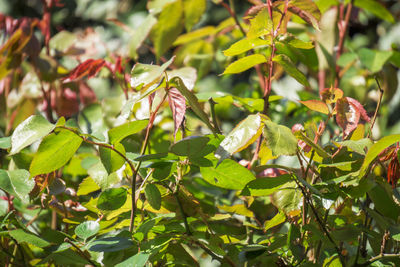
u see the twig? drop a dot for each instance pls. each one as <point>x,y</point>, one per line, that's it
<point>377,107</point>
<point>342,34</point>
<point>376,258</point>
<point>80,252</point>
<point>231,9</point>
<point>213,115</point>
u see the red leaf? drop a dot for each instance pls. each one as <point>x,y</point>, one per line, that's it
<point>360,108</point>
<point>316,105</point>
<point>90,68</point>
<point>347,116</point>
<point>177,103</point>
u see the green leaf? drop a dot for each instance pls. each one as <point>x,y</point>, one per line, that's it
<point>358,145</point>
<point>374,60</point>
<point>168,27</point>
<point>101,177</point>
<point>229,174</point>
<point>24,237</point>
<point>91,121</point>
<point>112,199</point>
<point>375,8</point>
<point>193,10</point>
<point>291,69</point>
<point>5,142</point>
<point>279,139</point>
<point>87,229</point>
<point>320,151</point>
<point>140,34</point>
<point>245,45</point>
<point>194,35</point>
<point>316,105</point>
<point>193,102</point>
<point>376,149</point>
<point>383,201</point>
<point>288,199</point>
<point>29,131</point>
<point>189,146</point>
<point>297,43</point>
<point>111,244</point>
<point>87,186</point>
<point>265,186</point>
<point>16,183</point>
<point>111,160</point>
<point>138,260</point>
<point>62,41</point>
<point>145,75</point>
<point>153,196</point>
<point>54,152</point>
<point>260,25</point>
<point>276,220</point>
<point>245,63</point>
<point>244,134</point>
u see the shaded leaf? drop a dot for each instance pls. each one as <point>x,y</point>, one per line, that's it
<point>374,60</point>
<point>112,199</point>
<point>316,105</point>
<point>29,131</point>
<point>280,139</point>
<point>5,142</point>
<point>375,8</point>
<point>54,152</point>
<point>153,196</point>
<point>140,34</point>
<point>291,69</point>
<point>265,186</point>
<point>189,146</point>
<point>229,174</point>
<point>17,183</point>
<point>111,244</point>
<point>111,160</point>
<point>245,63</point>
<point>24,237</point>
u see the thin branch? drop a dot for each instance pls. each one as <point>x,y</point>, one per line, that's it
<point>231,9</point>
<point>379,257</point>
<point>80,252</point>
<point>377,107</point>
<point>342,34</point>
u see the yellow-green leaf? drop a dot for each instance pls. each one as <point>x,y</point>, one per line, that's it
<point>245,63</point>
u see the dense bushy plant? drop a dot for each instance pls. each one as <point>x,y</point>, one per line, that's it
<point>199,133</point>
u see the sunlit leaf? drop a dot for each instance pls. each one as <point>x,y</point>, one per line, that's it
<point>118,133</point>
<point>112,199</point>
<point>17,183</point>
<point>111,160</point>
<point>276,220</point>
<point>153,196</point>
<point>90,67</point>
<point>138,260</point>
<point>87,186</point>
<point>265,186</point>
<point>288,199</point>
<point>54,152</point>
<point>24,237</point>
<point>87,229</point>
<point>190,146</point>
<point>280,139</point>
<point>307,10</point>
<point>245,63</point>
<point>316,105</point>
<point>245,45</point>
<point>194,35</point>
<point>260,25</point>
<point>375,8</point>
<point>374,60</point>
<point>347,116</point>
<point>376,149</point>
<point>177,103</point>
<point>146,75</point>
<point>32,129</point>
<point>140,34</point>
<point>229,174</point>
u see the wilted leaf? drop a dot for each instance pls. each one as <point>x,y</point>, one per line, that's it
<point>347,116</point>
<point>245,63</point>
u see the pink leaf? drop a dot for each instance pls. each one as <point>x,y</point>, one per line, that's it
<point>360,108</point>
<point>347,116</point>
<point>177,103</point>
<point>90,68</point>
